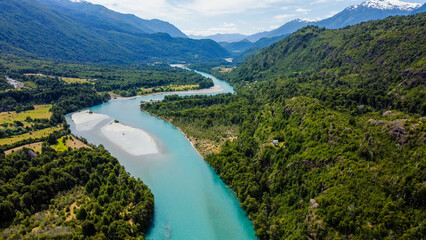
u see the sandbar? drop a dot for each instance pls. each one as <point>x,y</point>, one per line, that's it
<point>85,121</point>
<point>132,140</point>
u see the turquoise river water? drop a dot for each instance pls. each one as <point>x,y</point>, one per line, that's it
<point>191,201</point>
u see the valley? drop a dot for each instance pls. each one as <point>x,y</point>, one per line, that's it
<point>114,126</point>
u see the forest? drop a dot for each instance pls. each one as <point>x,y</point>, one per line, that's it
<point>73,86</point>
<point>76,194</point>
<point>59,192</point>
<point>328,132</point>
<point>83,32</point>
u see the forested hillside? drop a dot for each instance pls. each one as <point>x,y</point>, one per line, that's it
<point>71,195</point>
<point>346,110</point>
<point>31,29</point>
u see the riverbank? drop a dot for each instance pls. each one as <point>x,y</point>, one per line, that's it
<point>210,90</point>
<point>132,140</point>
<point>190,199</point>
<point>203,147</point>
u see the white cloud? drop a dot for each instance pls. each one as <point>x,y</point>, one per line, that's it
<point>302,10</point>
<point>224,28</point>
<point>311,19</point>
<point>319,1</point>
<point>220,7</point>
<point>147,9</point>
<point>208,16</point>
<point>283,16</point>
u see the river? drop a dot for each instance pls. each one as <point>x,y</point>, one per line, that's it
<point>191,201</point>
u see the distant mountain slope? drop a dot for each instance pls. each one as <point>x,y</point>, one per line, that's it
<point>288,28</point>
<point>221,37</point>
<point>420,9</point>
<point>236,47</point>
<point>31,28</point>
<point>285,29</point>
<point>366,11</point>
<point>94,15</point>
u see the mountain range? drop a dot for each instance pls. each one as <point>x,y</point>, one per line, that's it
<point>222,37</point>
<point>366,11</point>
<point>93,15</point>
<point>81,31</point>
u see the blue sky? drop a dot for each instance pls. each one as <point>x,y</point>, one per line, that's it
<point>206,17</point>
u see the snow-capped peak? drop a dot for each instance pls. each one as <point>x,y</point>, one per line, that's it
<point>388,5</point>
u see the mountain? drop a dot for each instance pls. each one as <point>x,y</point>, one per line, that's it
<point>228,37</point>
<point>320,119</point>
<point>93,14</point>
<point>256,46</point>
<point>255,37</point>
<point>38,29</point>
<point>420,9</point>
<point>243,49</point>
<point>366,11</point>
<point>238,48</point>
<point>285,29</point>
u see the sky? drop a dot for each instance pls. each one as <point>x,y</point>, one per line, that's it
<point>208,17</point>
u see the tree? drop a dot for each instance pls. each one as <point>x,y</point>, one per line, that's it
<point>88,228</point>
<point>82,214</point>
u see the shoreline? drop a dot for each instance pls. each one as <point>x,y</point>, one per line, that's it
<point>192,142</point>
<point>131,140</point>
<point>213,89</point>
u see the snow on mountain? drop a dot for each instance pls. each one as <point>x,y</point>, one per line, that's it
<point>388,5</point>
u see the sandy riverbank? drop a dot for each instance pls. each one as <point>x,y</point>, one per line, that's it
<point>85,121</point>
<point>214,89</point>
<point>131,140</point>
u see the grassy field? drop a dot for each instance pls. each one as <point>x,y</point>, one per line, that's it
<point>66,79</point>
<point>31,85</point>
<point>170,88</point>
<point>35,74</point>
<point>71,142</point>
<point>34,146</point>
<point>223,69</point>
<point>40,112</point>
<point>61,146</point>
<point>76,80</point>
<point>35,135</point>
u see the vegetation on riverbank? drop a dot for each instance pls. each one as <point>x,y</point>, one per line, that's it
<point>345,110</point>
<point>71,195</point>
<point>73,86</point>
<point>93,196</point>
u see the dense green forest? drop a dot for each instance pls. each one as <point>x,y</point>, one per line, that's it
<point>44,83</point>
<point>73,194</point>
<point>124,80</point>
<point>32,29</point>
<point>346,110</point>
